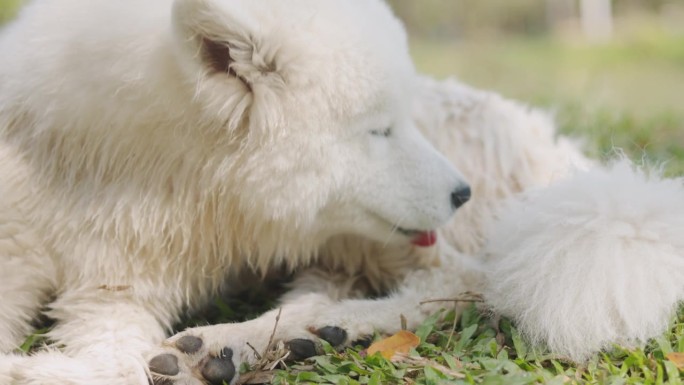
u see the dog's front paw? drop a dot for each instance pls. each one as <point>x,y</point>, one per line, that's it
<point>187,360</point>
<point>214,354</point>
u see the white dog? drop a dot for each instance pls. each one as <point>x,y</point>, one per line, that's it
<point>151,152</point>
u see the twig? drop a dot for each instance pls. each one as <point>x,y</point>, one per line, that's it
<point>465,297</point>
<point>269,359</point>
<point>263,358</point>
<point>453,330</point>
<point>256,354</point>
<point>281,360</point>
<point>275,326</point>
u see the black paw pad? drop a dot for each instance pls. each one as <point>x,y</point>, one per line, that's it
<point>333,335</point>
<point>363,342</point>
<point>189,344</point>
<point>220,368</point>
<point>301,349</point>
<point>166,364</point>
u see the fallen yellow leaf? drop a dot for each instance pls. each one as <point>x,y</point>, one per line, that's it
<point>401,342</point>
<point>677,359</point>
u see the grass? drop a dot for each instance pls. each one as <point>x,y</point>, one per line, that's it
<point>477,352</point>
<point>655,139</point>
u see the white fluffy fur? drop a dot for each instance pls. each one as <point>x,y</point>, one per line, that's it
<point>139,177</point>
<point>593,260</point>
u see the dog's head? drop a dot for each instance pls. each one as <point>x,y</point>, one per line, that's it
<point>312,99</point>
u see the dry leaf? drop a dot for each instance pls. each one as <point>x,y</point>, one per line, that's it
<point>677,359</point>
<point>402,342</point>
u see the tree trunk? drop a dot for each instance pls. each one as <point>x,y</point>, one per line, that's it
<point>597,20</point>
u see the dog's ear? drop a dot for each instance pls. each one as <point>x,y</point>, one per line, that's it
<point>221,41</point>
<point>224,40</point>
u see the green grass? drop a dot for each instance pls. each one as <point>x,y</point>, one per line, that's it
<point>657,139</point>
<point>481,352</point>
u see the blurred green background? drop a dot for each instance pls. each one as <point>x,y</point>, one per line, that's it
<point>8,9</point>
<point>611,70</point>
<point>540,50</point>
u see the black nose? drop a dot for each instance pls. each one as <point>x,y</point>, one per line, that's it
<point>460,196</point>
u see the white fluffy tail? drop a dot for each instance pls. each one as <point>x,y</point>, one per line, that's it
<point>594,260</point>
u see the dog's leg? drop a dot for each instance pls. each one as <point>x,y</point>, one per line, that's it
<point>26,282</point>
<point>214,353</point>
<point>102,338</point>
<point>200,361</point>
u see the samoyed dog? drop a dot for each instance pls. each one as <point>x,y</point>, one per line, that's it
<point>154,153</point>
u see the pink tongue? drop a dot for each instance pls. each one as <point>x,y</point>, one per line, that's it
<point>425,239</point>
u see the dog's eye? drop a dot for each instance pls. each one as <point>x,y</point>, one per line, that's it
<point>384,132</point>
